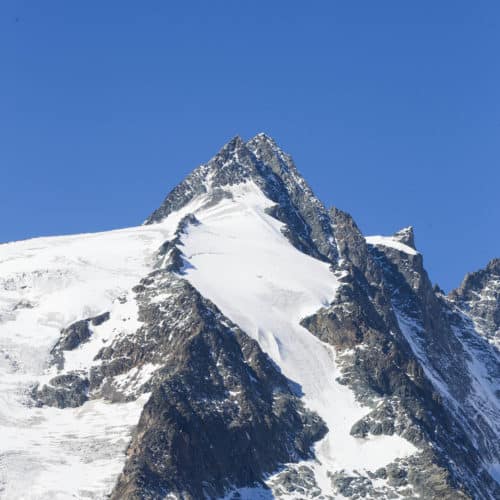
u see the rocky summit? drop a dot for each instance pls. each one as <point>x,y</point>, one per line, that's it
<point>245,342</point>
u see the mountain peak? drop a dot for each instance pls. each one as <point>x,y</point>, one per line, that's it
<point>261,161</point>
<point>229,150</point>
<point>260,141</point>
<point>406,236</point>
<point>493,266</point>
<point>267,151</point>
<point>262,137</point>
<point>261,145</point>
<point>235,143</point>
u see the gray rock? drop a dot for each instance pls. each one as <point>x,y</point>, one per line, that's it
<point>479,297</point>
<point>74,335</point>
<point>64,391</point>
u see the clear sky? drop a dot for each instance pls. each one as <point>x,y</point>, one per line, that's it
<point>391,110</point>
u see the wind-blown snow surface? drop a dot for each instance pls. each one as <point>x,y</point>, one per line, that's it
<point>239,259</point>
<point>46,284</point>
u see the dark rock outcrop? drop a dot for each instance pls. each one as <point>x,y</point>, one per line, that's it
<point>74,335</point>
<point>70,389</point>
<point>64,391</point>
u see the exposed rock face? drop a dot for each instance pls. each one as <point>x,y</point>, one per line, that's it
<point>293,196</point>
<point>445,348</point>
<point>70,389</point>
<point>378,363</point>
<point>64,391</point>
<point>75,334</point>
<point>220,415</point>
<point>479,297</point>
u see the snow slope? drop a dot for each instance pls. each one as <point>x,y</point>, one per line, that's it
<point>45,285</point>
<point>239,258</point>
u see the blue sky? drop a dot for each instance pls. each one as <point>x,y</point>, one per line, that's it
<point>391,110</point>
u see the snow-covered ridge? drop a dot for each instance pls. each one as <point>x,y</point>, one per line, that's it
<point>391,242</point>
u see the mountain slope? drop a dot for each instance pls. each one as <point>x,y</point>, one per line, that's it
<point>479,297</point>
<point>47,284</point>
<point>245,342</point>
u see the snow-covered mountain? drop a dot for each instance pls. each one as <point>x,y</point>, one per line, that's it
<point>244,342</point>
